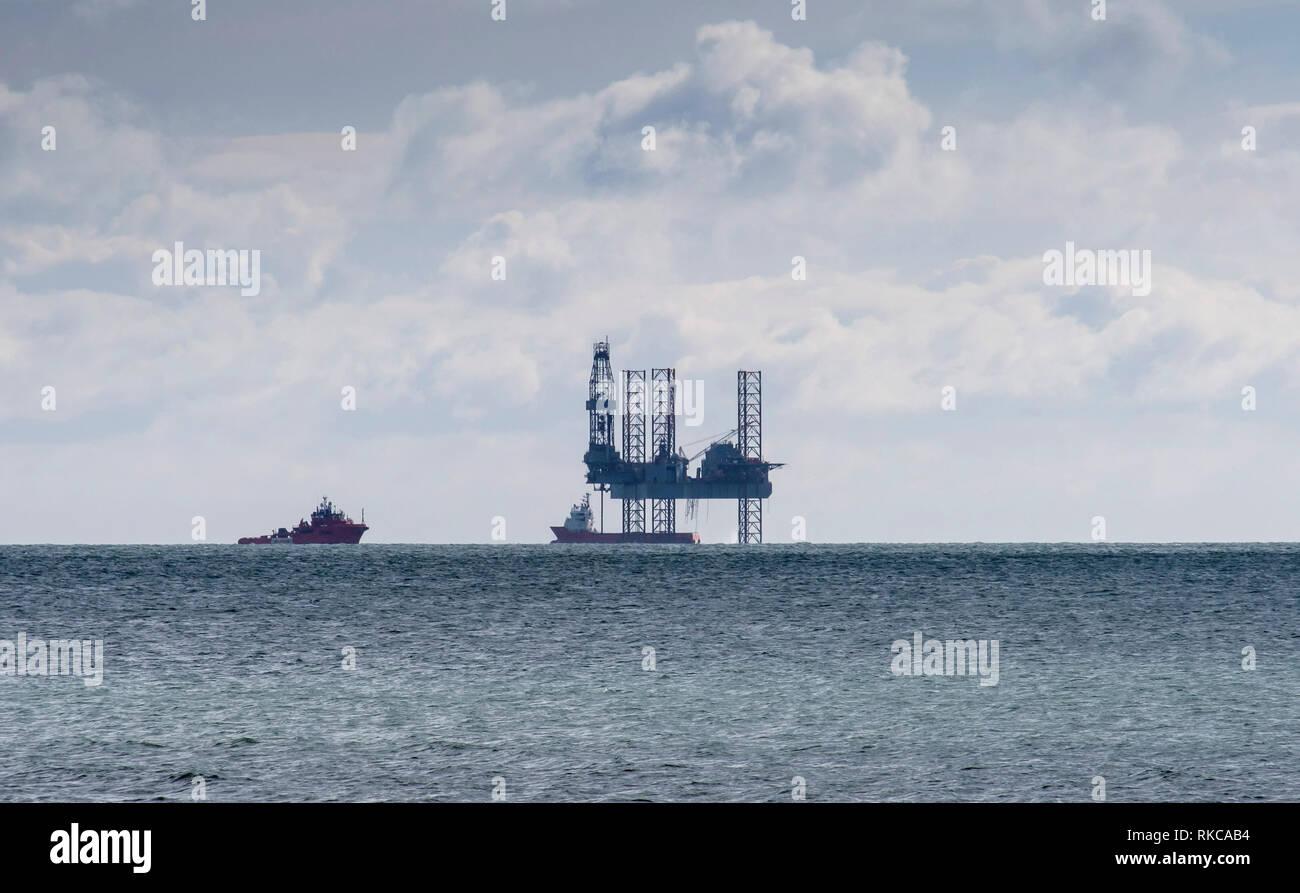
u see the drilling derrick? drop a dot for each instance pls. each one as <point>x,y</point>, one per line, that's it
<point>600,412</point>
<point>634,394</point>
<point>663,439</point>
<point>749,443</point>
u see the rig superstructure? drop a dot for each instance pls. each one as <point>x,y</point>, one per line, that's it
<point>658,471</point>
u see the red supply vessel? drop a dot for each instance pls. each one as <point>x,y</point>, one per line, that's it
<point>327,525</point>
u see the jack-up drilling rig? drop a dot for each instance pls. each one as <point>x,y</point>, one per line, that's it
<point>662,474</point>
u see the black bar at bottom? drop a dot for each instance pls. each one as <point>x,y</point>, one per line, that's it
<point>646,843</point>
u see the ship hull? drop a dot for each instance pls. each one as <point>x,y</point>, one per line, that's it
<point>346,534</point>
<point>564,535</point>
<point>349,533</point>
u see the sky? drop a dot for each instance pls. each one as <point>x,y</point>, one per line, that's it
<point>128,408</point>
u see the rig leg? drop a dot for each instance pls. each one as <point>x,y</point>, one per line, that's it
<point>749,521</point>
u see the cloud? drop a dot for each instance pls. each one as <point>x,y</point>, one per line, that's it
<point>924,266</point>
<point>95,10</point>
<point>1269,114</point>
<point>1135,41</point>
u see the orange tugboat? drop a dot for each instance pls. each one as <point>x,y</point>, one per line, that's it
<point>327,525</point>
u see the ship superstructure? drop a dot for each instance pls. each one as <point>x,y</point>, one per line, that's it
<point>327,525</point>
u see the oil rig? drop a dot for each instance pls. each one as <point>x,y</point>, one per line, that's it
<point>658,470</point>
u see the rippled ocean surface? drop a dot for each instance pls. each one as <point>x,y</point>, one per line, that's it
<point>527,665</point>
